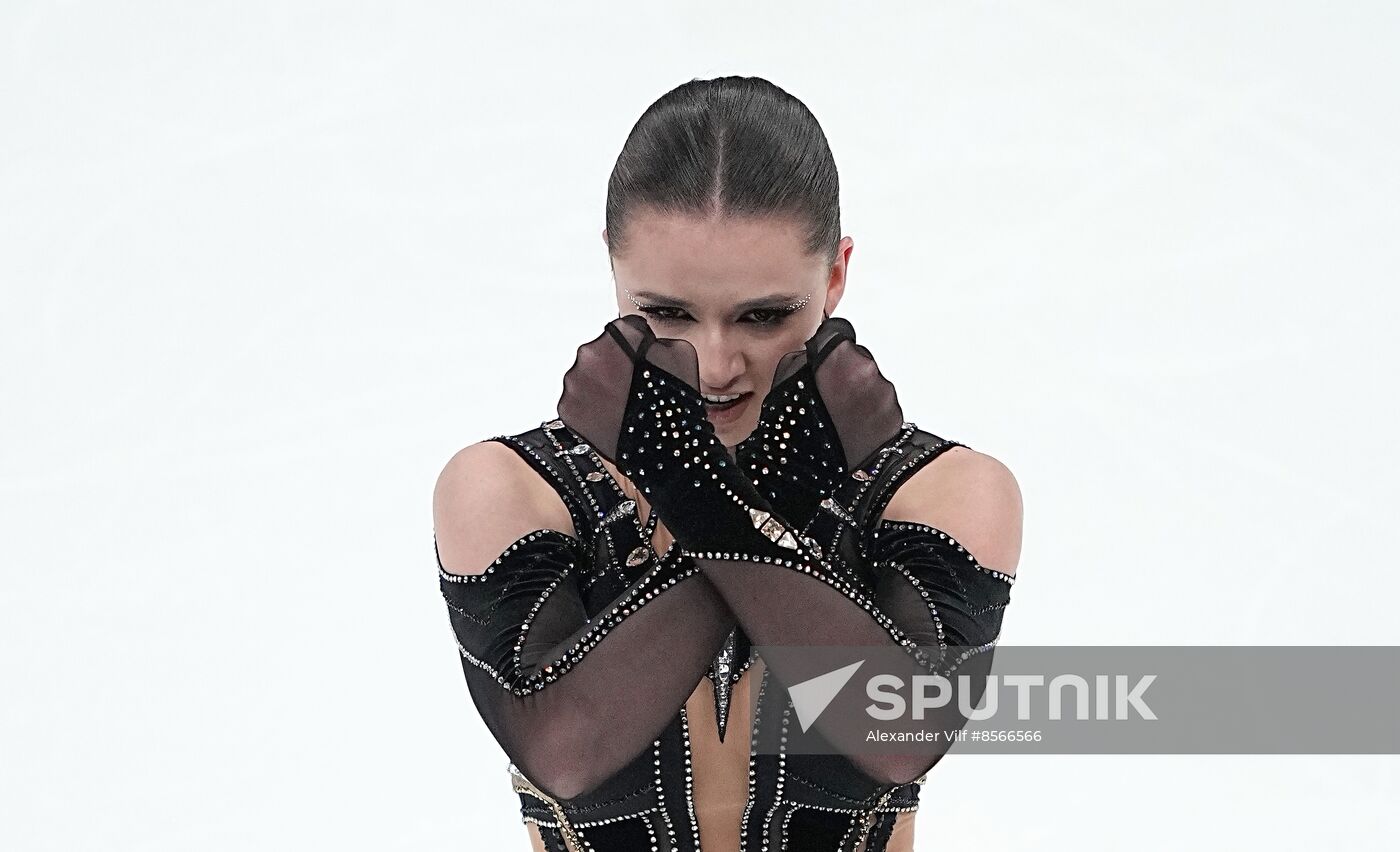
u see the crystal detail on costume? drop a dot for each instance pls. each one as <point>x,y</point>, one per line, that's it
<point>596,476</point>
<point>758,516</point>
<point>723,666</point>
<point>638,556</point>
<point>621,510</point>
<point>835,508</point>
<point>772,529</point>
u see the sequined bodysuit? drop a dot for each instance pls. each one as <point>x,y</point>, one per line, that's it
<point>696,785</point>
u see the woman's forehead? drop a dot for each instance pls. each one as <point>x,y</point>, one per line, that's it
<point>715,262</point>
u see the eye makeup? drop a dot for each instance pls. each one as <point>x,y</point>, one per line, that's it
<point>762,315</point>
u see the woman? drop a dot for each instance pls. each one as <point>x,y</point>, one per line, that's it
<point>728,468</point>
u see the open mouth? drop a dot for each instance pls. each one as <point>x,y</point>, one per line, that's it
<point>723,401</point>
<point>720,406</point>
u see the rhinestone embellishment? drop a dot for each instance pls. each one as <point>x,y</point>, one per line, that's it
<point>596,476</point>
<point>772,529</point>
<point>835,508</point>
<point>638,556</point>
<point>723,686</point>
<point>626,507</point>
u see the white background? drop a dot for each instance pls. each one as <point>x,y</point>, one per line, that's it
<point>267,265</point>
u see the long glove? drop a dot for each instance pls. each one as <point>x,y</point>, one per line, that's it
<point>829,411</point>
<point>575,697</point>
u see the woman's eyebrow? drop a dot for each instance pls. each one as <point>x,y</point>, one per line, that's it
<point>748,304</point>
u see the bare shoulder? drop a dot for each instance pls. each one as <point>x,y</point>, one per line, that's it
<point>487,497</point>
<point>972,497</point>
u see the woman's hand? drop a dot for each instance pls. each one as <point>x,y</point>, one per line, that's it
<point>829,409</point>
<point>635,398</point>
<point>600,399</point>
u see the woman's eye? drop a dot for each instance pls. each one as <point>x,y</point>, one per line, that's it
<point>663,313</point>
<point>758,316</point>
<point>767,316</point>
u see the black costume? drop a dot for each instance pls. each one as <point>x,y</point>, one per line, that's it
<point>580,653</point>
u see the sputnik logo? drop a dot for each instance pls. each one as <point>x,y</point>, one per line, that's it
<point>811,697</point>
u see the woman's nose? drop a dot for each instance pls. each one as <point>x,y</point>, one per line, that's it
<point>721,362</point>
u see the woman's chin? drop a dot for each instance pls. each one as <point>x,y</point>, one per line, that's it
<point>733,423</point>
<point>732,434</point>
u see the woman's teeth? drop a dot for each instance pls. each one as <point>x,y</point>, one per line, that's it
<point>721,408</point>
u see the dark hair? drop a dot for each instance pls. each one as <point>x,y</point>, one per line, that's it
<point>731,146</point>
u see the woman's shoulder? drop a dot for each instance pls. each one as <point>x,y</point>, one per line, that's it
<point>499,464</point>
<point>969,494</point>
<point>491,492</point>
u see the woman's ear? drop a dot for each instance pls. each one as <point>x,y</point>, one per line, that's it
<point>836,276</point>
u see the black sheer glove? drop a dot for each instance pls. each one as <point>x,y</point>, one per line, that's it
<point>830,416</point>
<point>575,698</point>
<point>829,409</point>
<point>635,398</point>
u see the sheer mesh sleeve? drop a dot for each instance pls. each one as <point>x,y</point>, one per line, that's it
<point>746,519</point>
<point>928,597</point>
<point>827,416</point>
<point>571,699</point>
<point>935,592</point>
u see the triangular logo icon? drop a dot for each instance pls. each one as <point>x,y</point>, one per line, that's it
<point>811,696</point>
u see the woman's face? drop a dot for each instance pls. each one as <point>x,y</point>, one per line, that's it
<point>741,291</point>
